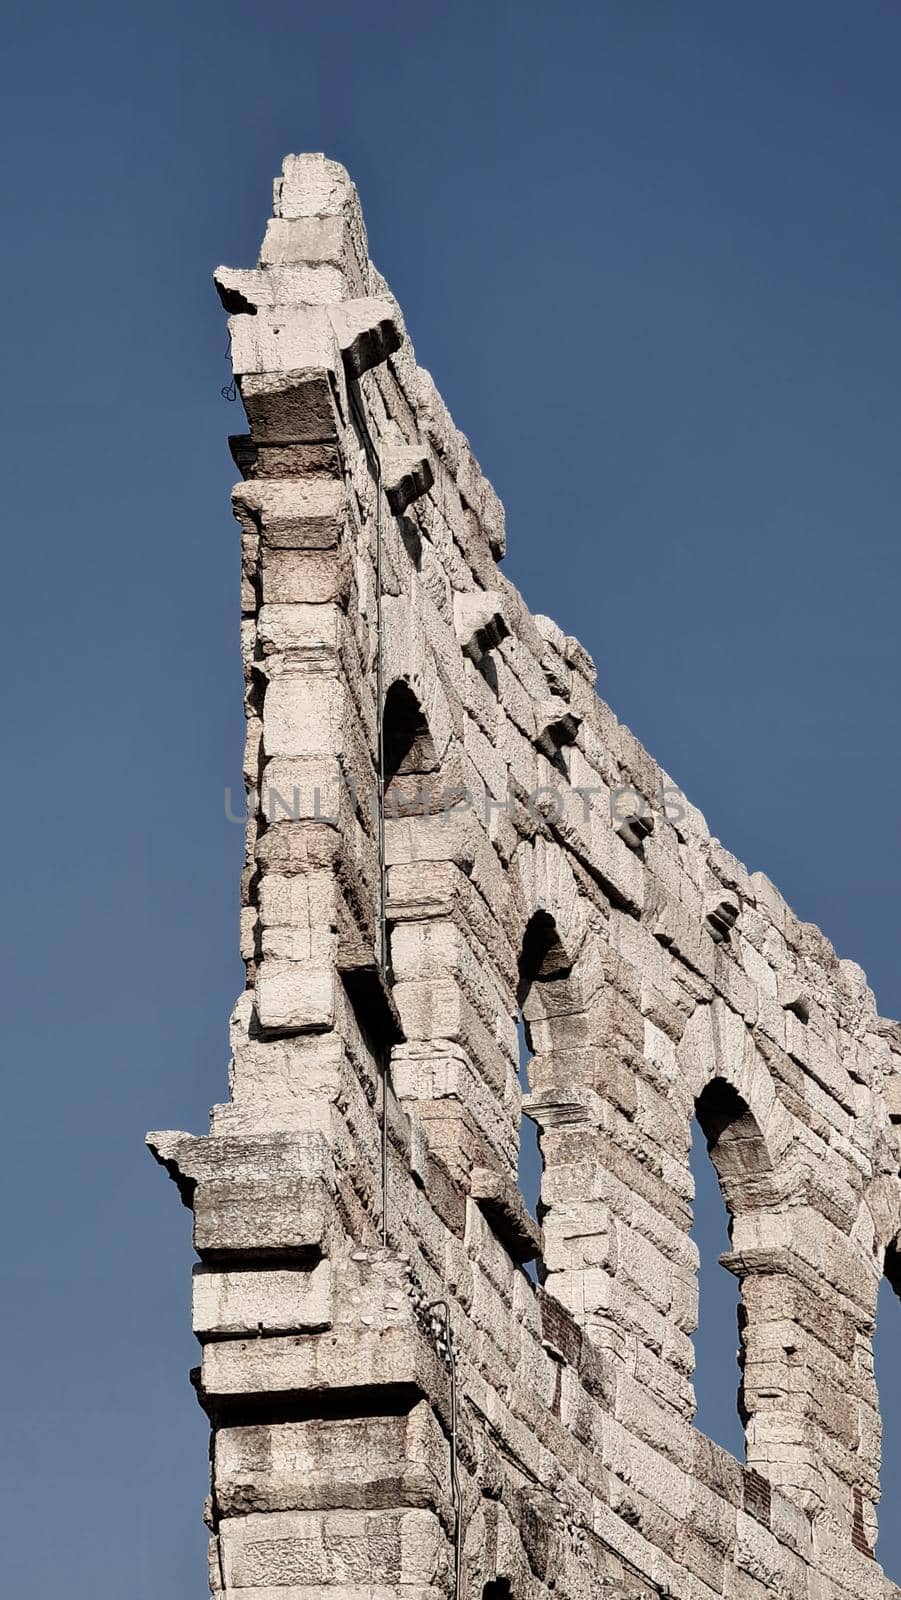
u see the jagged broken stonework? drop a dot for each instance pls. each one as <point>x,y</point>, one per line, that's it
<point>448,827</point>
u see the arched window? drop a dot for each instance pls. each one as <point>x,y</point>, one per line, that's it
<point>409,774</point>
<point>717,1370</point>
<point>528,1171</point>
<point>430,948</point>
<point>411,764</point>
<point>737,1179</point>
<point>541,992</point>
<point>541,960</point>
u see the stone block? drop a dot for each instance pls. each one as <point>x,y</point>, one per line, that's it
<point>316,1551</point>
<point>406,476</point>
<point>353,1359</point>
<point>263,1217</point>
<point>501,1203</point>
<point>368,330</point>
<point>294,996</point>
<point>277,1300</point>
<point>362,1463</point>
<point>479,622</point>
<point>293,513</point>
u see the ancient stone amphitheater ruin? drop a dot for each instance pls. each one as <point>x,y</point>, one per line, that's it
<point>416,1390</point>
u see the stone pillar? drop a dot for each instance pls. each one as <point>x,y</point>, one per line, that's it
<point>808,1392</point>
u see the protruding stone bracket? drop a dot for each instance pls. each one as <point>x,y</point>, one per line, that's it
<point>292,361</point>
<point>370,994</point>
<point>795,999</point>
<point>261,1196</point>
<point>720,918</point>
<point>368,331</point>
<point>241,290</point>
<point>634,829</point>
<point>562,1108</point>
<point>406,476</point>
<point>479,622</point>
<point>557,725</point>
<point>166,1148</point>
<point>391,1366</point>
<point>767,1260</point>
<point>892,1092</point>
<point>191,1159</point>
<point>293,513</point>
<point>501,1204</point>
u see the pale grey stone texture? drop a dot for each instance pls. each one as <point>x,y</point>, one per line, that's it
<point>536,860</point>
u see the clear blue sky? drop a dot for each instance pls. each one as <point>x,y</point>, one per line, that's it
<point>650,251</point>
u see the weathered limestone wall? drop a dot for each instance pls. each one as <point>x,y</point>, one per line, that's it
<point>495,841</point>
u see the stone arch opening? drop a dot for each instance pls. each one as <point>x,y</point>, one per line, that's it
<point>410,759</point>
<point>549,1014</point>
<point>452,1068</point>
<point>408,767</point>
<point>735,1145</point>
<point>543,958</point>
<point>528,1164</point>
<point>717,1376</point>
<point>740,1158</point>
<point>542,961</point>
